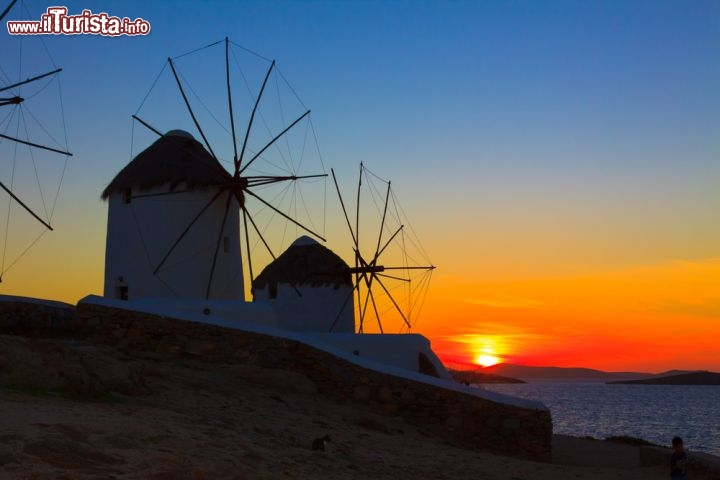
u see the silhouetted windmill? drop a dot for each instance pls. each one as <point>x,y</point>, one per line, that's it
<point>391,283</point>
<point>255,171</point>
<point>15,127</point>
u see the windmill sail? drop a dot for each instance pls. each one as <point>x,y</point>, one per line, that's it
<point>33,142</point>
<point>392,271</point>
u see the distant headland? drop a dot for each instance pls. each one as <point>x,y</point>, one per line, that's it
<point>691,378</point>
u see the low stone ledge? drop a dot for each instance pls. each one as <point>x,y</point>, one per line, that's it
<point>458,417</point>
<point>33,317</point>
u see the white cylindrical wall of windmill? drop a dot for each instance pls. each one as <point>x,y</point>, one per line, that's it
<point>142,229</point>
<point>311,308</point>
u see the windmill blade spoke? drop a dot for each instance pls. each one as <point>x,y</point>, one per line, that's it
<point>148,126</point>
<point>357,290</point>
<point>262,150</point>
<point>284,215</point>
<point>377,315</point>
<point>28,209</point>
<point>217,245</point>
<point>342,204</point>
<point>5,12</point>
<point>387,244</point>
<point>284,177</point>
<point>247,247</point>
<point>382,222</point>
<point>238,168</point>
<point>361,276</point>
<point>392,299</point>
<point>429,267</point>
<point>257,230</point>
<point>368,279</point>
<point>230,108</point>
<point>187,104</point>
<point>363,311</point>
<point>357,208</point>
<point>11,101</point>
<point>392,277</point>
<point>363,264</point>
<point>261,180</point>
<point>30,80</point>
<point>348,297</point>
<point>36,145</point>
<point>185,232</point>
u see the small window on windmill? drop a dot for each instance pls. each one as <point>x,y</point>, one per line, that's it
<point>226,244</point>
<point>126,195</point>
<point>272,290</point>
<point>121,292</point>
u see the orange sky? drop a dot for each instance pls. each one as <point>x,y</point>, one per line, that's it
<point>644,318</point>
<point>648,318</point>
<point>523,301</point>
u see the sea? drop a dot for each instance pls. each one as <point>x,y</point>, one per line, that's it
<point>655,413</point>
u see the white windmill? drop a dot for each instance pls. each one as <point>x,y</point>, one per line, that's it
<point>176,214</point>
<point>314,290</point>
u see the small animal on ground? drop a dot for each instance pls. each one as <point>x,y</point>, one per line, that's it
<point>320,443</point>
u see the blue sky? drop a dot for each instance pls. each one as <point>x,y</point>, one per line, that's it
<point>554,134</point>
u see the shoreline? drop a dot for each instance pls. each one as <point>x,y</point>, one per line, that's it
<point>583,449</point>
<point>645,412</point>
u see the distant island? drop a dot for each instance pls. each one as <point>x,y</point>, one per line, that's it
<point>476,376</point>
<point>511,373</point>
<point>692,378</point>
<point>559,374</point>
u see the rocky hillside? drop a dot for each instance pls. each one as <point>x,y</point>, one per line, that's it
<point>74,410</point>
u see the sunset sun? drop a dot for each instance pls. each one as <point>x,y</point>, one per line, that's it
<point>486,360</point>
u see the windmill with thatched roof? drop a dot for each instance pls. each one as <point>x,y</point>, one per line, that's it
<point>149,204</point>
<point>174,227</point>
<point>309,287</point>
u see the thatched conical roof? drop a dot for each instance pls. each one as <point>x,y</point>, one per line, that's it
<point>176,158</point>
<point>305,262</point>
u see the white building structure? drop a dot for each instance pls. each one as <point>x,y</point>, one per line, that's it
<point>166,209</point>
<point>170,210</point>
<point>310,288</point>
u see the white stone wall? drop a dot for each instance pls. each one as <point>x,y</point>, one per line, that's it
<point>399,350</point>
<point>140,233</point>
<point>314,310</point>
<point>227,313</point>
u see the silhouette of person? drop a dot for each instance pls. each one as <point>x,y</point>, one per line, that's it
<point>678,460</point>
